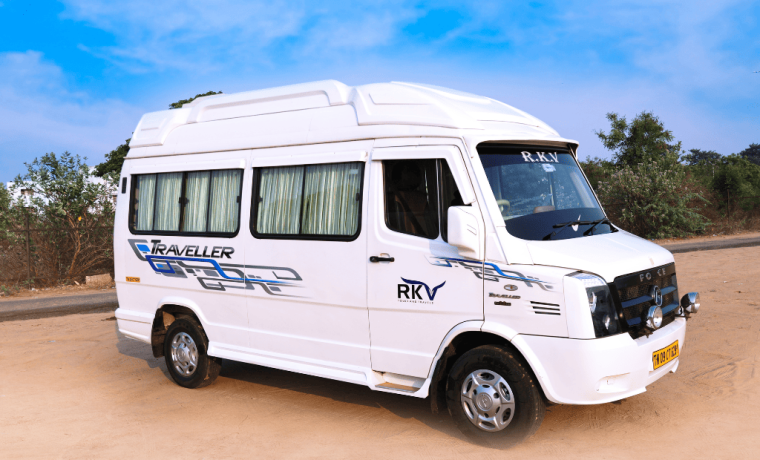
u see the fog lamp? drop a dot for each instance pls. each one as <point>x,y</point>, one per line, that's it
<point>690,302</point>
<point>654,318</point>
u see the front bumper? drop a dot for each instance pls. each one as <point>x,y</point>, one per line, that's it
<point>597,371</point>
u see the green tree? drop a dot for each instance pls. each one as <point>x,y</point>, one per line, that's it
<point>737,176</point>
<point>72,212</point>
<point>8,212</point>
<point>752,153</point>
<point>653,200</point>
<point>643,140</point>
<point>181,102</point>
<point>114,161</point>
<point>695,156</point>
<point>62,187</point>
<point>5,201</point>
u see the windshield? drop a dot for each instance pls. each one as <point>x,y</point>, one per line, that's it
<point>541,192</point>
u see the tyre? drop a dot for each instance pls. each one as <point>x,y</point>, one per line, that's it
<point>493,397</point>
<point>185,350</point>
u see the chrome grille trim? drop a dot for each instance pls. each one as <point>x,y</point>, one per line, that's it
<point>634,299</point>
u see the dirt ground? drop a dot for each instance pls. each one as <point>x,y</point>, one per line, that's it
<point>72,387</point>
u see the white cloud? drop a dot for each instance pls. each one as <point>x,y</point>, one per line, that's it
<point>702,45</point>
<point>184,34</point>
<point>203,35</point>
<point>40,114</point>
<point>688,45</point>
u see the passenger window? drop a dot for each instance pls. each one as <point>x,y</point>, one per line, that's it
<point>168,191</point>
<point>197,202</point>
<point>196,208</point>
<point>418,194</point>
<point>411,197</point>
<point>144,199</point>
<point>225,201</point>
<point>312,202</point>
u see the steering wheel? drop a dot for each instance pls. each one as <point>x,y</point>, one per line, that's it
<point>504,208</point>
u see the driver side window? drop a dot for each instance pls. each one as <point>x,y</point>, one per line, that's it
<point>418,194</point>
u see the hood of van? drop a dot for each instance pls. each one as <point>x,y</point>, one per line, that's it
<point>609,255</point>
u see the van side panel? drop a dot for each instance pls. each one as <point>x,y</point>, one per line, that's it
<point>315,310</point>
<point>196,271</point>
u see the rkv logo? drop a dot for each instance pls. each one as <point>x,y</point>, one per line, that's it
<point>411,290</point>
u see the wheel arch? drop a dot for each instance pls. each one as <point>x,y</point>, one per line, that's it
<point>170,309</point>
<point>463,338</point>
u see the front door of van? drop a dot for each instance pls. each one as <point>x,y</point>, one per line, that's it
<point>419,287</point>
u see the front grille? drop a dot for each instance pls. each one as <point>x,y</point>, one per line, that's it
<point>643,289</point>
<point>634,292</point>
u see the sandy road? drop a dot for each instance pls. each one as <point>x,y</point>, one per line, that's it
<point>71,387</point>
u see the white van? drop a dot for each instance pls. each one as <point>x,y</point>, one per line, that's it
<point>410,238</point>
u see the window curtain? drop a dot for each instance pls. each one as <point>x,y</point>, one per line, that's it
<point>330,204</point>
<point>225,190</point>
<point>196,209</point>
<point>279,207</point>
<point>144,201</point>
<point>168,190</point>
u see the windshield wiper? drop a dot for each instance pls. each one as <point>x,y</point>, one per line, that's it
<point>563,226</point>
<point>597,222</point>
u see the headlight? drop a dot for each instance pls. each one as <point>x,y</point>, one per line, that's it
<point>600,303</point>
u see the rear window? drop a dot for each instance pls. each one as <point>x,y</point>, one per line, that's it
<point>193,202</point>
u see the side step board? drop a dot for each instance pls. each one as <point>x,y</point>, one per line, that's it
<point>397,387</point>
<point>398,383</point>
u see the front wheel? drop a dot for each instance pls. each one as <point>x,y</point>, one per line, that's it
<point>493,398</point>
<point>185,349</point>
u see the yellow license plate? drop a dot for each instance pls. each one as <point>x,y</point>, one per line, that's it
<point>665,355</point>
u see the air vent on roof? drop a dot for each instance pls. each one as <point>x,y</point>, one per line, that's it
<point>272,100</point>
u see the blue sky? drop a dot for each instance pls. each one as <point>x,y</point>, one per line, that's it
<point>77,75</point>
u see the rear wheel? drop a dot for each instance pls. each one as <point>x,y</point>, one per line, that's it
<point>493,398</point>
<point>185,350</point>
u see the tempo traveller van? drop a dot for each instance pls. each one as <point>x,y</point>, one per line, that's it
<point>410,238</point>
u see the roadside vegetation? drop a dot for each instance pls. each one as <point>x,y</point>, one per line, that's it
<point>654,189</point>
<point>59,229</point>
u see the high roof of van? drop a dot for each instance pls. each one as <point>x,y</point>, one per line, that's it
<point>329,111</point>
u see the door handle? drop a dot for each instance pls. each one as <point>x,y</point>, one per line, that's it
<point>381,259</point>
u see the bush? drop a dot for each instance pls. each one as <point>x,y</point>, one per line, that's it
<point>653,200</point>
<point>71,217</point>
<point>597,170</point>
<point>737,176</point>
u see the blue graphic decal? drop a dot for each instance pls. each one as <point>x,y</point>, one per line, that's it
<point>488,271</point>
<point>168,269</point>
<point>211,273</point>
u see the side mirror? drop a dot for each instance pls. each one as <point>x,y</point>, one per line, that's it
<point>463,231</point>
